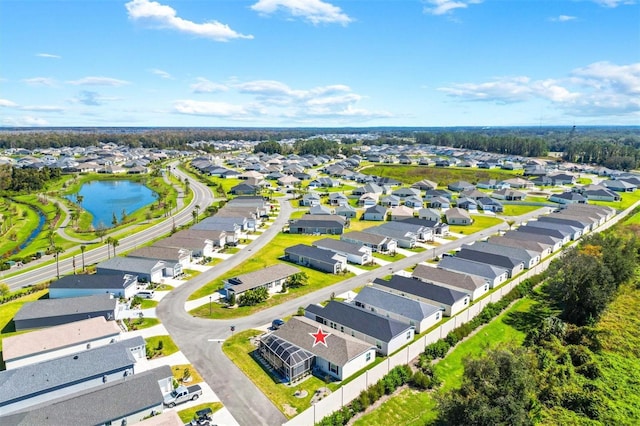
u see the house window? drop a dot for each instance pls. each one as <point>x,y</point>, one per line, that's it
<point>367,357</point>
<point>408,335</point>
<point>334,325</point>
<point>412,323</point>
<point>372,309</point>
<point>341,329</point>
<point>486,287</point>
<point>437,316</point>
<point>378,344</point>
<point>333,368</point>
<point>466,300</point>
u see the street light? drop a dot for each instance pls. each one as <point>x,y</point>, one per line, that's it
<point>209,305</point>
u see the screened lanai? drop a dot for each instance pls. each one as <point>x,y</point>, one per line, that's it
<point>291,361</point>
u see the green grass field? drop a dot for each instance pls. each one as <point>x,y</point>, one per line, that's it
<point>239,348</point>
<point>517,210</point>
<point>479,223</point>
<point>188,414</point>
<point>628,199</point>
<point>442,175</point>
<point>168,346</point>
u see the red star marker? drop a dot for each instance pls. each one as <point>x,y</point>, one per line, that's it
<point>320,337</point>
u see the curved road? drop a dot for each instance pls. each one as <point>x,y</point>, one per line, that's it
<point>247,404</point>
<point>202,197</point>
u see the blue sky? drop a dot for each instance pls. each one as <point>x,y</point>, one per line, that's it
<point>317,63</point>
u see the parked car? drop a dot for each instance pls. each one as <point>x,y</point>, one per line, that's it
<point>146,294</point>
<point>277,323</point>
<point>182,394</point>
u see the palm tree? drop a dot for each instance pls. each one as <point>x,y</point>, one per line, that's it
<point>82,249</point>
<point>79,200</point>
<point>197,209</point>
<point>115,243</point>
<point>56,251</point>
<point>108,243</point>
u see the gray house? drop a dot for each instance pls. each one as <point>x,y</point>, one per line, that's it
<point>450,301</point>
<point>270,278</point>
<point>493,274</point>
<point>175,259</point>
<point>512,265</point>
<point>355,253</point>
<point>88,285</point>
<point>120,401</point>
<point>376,212</point>
<point>415,313</point>
<point>377,243</point>
<point>556,243</point>
<point>405,238</point>
<point>457,216</point>
<point>541,250</point>
<point>322,260</point>
<point>49,312</point>
<point>38,383</point>
<point>528,257</point>
<point>150,270</point>
<point>473,285</point>
<point>386,334</point>
<point>566,234</point>
<point>318,224</point>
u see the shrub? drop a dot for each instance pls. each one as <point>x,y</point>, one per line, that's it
<point>437,349</point>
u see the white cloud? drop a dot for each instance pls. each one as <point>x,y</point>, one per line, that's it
<point>562,18</point>
<point>5,103</point>
<point>90,98</point>
<point>42,108</point>
<point>98,81</point>
<point>614,3</point>
<point>443,7</point>
<point>25,121</point>
<point>597,90</point>
<point>211,109</point>
<point>48,55</point>
<point>267,88</point>
<point>164,16</point>
<point>202,85</point>
<point>161,73</point>
<point>314,11</point>
<point>40,81</point>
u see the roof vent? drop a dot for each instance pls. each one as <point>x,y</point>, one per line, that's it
<point>75,357</point>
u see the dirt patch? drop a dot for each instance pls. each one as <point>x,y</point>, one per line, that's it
<point>289,411</point>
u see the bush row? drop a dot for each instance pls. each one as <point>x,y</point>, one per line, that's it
<point>22,292</point>
<point>396,377</point>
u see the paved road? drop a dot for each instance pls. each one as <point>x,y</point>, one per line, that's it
<point>202,197</point>
<point>193,335</point>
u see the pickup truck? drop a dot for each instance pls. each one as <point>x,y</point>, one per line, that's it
<point>182,394</point>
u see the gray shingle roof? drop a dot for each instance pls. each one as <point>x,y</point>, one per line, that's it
<point>131,264</point>
<point>467,283</point>
<point>542,229</point>
<point>368,323</point>
<point>169,254</point>
<point>365,237</point>
<point>413,309</point>
<point>419,288</point>
<point>465,266</point>
<point>501,261</point>
<point>339,246</point>
<point>312,253</point>
<point>94,281</point>
<point>267,275</point>
<point>99,405</point>
<point>61,307</point>
<point>46,376</point>
<point>341,348</point>
<point>522,234</point>
<point>521,254</point>
<point>535,246</point>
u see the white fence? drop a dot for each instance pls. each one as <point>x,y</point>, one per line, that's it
<point>347,393</point>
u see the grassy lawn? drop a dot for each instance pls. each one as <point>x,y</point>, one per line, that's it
<point>168,346</point>
<point>407,408</point>
<point>584,181</point>
<point>148,303</point>
<point>239,348</point>
<point>403,409</point>
<point>190,273</point>
<point>140,323</point>
<point>479,223</point>
<point>517,210</point>
<point>628,199</point>
<point>442,175</point>
<point>388,257</point>
<point>164,287</point>
<point>188,414</point>
<point>536,199</point>
<point>268,256</point>
<point>9,310</point>
<point>178,373</point>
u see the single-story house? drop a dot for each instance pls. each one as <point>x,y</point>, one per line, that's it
<point>438,203</point>
<point>338,199</point>
<point>528,257</point>
<point>50,312</point>
<point>292,352</point>
<point>320,210</point>
<point>318,224</point>
<point>608,212</point>
<point>425,185</point>
<point>119,401</point>
<point>355,253</point>
<point>244,189</point>
<point>522,234</point>
<point>520,183</point>
<point>433,193</point>
<point>400,212</point>
<point>493,184</point>
<point>346,211</point>
<point>467,204</point>
<point>620,185</point>
<point>585,225</point>
<point>474,194</point>
<point>421,231</point>
<point>376,212</point>
<point>54,342</point>
<point>512,265</point>
<point>386,334</point>
<point>199,247</point>
<point>377,243</point>
<point>450,301</point>
<point>150,270</point>
<point>494,275</point>
<point>322,260</point>
<point>368,200</point>
<point>404,238</point>
<point>568,198</point>
<point>473,285</point>
<point>311,199</point>
<point>508,195</point>
<point>175,259</point>
<point>407,192</point>
<point>600,194</point>
<point>42,382</point>
<point>415,313</point>
<point>390,201</point>
<point>490,205</point>
<point>87,285</point>
<point>437,228</point>
<point>460,186</point>
<point>230,226</point>
<point>414,202</point>
<point>457,216</point>
<point>430,214</point>
<point>563,230</point>
<point>541,250</point>
<point>271,278</point>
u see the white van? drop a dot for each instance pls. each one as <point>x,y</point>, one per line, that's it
<point>146,294</point>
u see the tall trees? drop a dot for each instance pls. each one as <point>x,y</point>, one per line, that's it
<point>57,250</point>
<point>83,248</point>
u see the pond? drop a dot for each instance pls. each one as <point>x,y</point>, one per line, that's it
<point>104,198</point>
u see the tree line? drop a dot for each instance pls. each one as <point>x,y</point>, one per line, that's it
<point>18,180</point>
